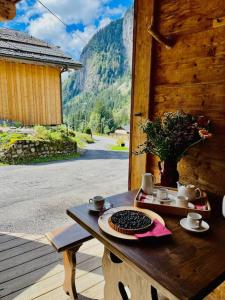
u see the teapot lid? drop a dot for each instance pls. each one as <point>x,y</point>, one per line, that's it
<point>147,174</point>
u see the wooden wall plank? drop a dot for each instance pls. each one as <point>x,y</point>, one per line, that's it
<point>191,76</point>
<point>4,91</point>
<point>183,17</point>
<point>42,88</point>
<point>197,70</point>
<point>141,87</point>
<point>209,43</point>
<point>30,93</point>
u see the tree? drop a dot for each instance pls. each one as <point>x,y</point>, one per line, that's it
<point>95,122</point>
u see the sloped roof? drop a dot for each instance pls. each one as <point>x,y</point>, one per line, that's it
<point>20,45</point>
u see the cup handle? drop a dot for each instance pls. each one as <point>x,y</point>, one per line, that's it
<point>199,223</point>
<point>90,201</point>
<point>199,192</point>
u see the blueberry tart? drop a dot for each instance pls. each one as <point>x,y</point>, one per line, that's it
<point>130,222</point>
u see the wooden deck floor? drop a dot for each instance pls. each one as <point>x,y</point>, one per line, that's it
<point>31,269</point>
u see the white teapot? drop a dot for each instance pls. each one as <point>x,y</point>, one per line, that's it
<point>189,191</point>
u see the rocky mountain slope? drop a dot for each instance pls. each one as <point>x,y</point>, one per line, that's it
<point>103,83</point>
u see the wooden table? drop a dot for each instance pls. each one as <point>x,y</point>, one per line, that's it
<point>183,266</point>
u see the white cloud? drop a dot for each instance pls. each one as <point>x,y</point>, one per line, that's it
<point>47,27</point>
<point>81,38</point>
<point>74,11</point>
<point>115,11</point>
<point>104,22</point>
<point>42,24</point>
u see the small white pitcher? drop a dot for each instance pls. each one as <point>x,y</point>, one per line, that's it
<point>148,183</point>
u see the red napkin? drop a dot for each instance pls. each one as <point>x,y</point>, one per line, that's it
<point>157,230</point>
<point>200,205</point>
<point>142,198</point>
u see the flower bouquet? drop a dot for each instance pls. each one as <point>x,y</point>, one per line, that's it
<point>170,137</point>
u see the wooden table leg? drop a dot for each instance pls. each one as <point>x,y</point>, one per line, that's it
<point>121,281</point>
<point>69,257</point>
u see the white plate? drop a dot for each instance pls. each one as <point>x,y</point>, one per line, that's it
<point>91,207</point>
<point>103,221</point>
<point>204,226</point>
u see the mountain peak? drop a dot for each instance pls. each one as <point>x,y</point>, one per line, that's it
<point>106,63</point>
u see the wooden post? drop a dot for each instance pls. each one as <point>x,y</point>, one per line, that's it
<point>69,257</point>
<point>141,80</point>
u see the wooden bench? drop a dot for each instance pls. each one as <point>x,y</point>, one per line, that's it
<point>68,239</point>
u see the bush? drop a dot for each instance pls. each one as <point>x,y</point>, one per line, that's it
<point>42,133</point>
<point>57,133</point>
<point>7,139</point>
<point>65,131</point>
<point>83,138</point>
<point>87,130</point>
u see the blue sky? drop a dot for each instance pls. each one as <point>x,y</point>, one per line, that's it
<point>83,17</point>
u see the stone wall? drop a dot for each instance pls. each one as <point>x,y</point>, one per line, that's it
<point>26,149</point>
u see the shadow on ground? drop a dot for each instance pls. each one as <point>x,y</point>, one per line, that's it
<point>90,155</point>
<point>104,154</point>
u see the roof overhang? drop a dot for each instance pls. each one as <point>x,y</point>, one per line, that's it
<point>64,67</point>
<point>18,45</point>
<point>7,9</point>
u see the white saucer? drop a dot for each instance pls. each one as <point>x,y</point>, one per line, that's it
<point>164,200</point>
<point>107,205</point>
<point>204,226</point>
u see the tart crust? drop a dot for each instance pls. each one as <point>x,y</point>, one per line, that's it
<point>129,231</point>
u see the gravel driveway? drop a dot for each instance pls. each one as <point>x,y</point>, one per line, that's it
<point>33,198</point>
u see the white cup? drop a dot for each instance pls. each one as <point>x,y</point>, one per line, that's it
<point>194,220</point>
<point>182,201</point>
<point>98,202</point>
<point>162,194</point>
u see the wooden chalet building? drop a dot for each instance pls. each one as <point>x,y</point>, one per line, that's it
<point>30,79</point>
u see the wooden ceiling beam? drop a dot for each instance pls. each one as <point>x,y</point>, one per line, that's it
<point>7,9</point>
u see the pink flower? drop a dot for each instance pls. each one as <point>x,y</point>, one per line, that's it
<point>204,134</point>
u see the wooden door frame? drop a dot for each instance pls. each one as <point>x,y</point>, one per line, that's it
<point>141,94</point>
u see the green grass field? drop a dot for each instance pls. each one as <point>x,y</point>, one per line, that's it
<point>118,148</point>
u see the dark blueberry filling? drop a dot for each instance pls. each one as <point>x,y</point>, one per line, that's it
<point>130,219</point>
